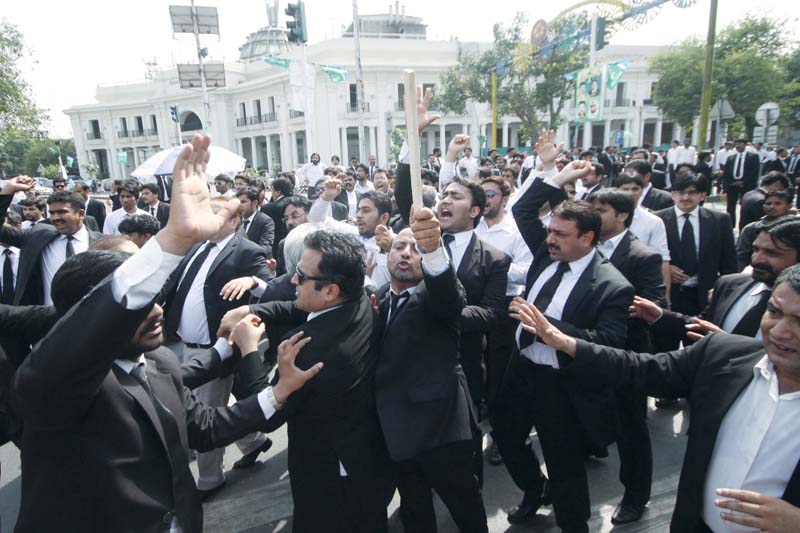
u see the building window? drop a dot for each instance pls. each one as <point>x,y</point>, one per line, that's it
<point>257,108</point>
<point>353,97</point>
<point>94,127</point>
<point>426,86</point>
<point>620,98</point>
<point>401,97</point>
<point>153,124</point>
<point>243,110</point>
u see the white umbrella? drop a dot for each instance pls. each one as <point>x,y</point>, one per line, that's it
<point>221,161</point>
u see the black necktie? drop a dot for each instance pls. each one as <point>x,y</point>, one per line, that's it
<point>739,163</point>
<point>750,321</point>
<point>152,211</point>
<point>246,223</point>
<point>8,279</point>
<point>448,240</point>
<point>176,307</point>
<point>70,249</point>
<point>396,303</point>
<point>688,247</point>
<point>543,299</point>
<point>793,164</point>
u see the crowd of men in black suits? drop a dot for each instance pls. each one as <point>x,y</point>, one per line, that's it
<point>526,294</point>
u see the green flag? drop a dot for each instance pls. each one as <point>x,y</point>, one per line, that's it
<point>52,150</point>
<point>276,61</point>
<point>335,73</point>
<point>615,72</point>
<point>70,161</point>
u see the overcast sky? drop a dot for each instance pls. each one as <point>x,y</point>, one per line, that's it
<point>77,45</point>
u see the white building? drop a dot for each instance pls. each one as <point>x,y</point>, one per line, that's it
<point>252,115</point>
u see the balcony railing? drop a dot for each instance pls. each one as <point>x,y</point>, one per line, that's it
<point>295,114</point>
<point>151,131</point>
<point>256,119</point>
<point>123,134</point>
<point>241,121</point>
<point>353,107</point>
<point>270,117</point>
<point>94,135</point>
<point>137,133</point>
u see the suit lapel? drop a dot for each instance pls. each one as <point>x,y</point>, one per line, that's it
<point>622,250</point>
<point>470,257</point>
<point>731,298</point>
<point>581,289</point>
<point>140,396</point>
<point>224,253</point>
<point>706,232</point>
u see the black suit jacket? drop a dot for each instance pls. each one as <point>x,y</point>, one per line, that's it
<point>641,266</point>
<point>115,203</point>
<point>162,212</point>
<point>262,232</point>
<point>717,254</point>
<point>274,210</point>
<point>752,206</point>
<point>422,395</point>
<point>31,242</point>
<point>164,193</point>
<point>658,178</point>
<point>750,172</point>
<point>332,418</point>
<point>656,199</point>
<point>97,210</point>
<point>483,272</point>
<point>711,373</point>
<point>239,258</point>
<point>605,160</point>
<point>596,310</point>
<point>93,448</point>
<point>777,164</point>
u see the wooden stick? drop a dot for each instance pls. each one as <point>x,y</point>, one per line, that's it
<point>412,136</point>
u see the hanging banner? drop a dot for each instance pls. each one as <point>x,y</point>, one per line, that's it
<point>335,73</point>
<point>276,61</point>
<point>590,94</point>
<point>615,72</point>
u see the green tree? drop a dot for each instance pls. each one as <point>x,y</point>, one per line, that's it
<point>680,82</point>
<point>45,152</point>
<point>532,90</point>
<point>20,119</point>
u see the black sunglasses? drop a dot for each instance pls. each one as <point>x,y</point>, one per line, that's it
<point>301,276</point>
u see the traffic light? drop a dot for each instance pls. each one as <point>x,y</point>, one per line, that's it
<point>173,112</point>
<point>603,33</point>
<point>297,27</point>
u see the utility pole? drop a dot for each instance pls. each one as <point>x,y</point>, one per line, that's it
<point>410,98</point>
<point>705,102</point>
<point>203,86</point>
<point>494,109</point>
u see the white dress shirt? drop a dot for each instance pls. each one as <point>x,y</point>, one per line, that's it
<point>54,255</point>
<point>352,202</point>
<point>506,237</point>
<point>522,189</point>
<point>469,163</point>
<point>459,246</point>
<point>610,245</point>
<point>685,155</point>
<point>112,221</point>
<point>152,210</point>
<point>738,164</point>
<point>742,306</point>
<point>694,218</point>
<point>650,229</point>
<point>193,326</point>
<point>367,186</point>
<point>720,159</point>
<point>14,255</point>
<point>311,173</point>
<point>757,444</point>
<point>29,224</point>
<point>540,353</point>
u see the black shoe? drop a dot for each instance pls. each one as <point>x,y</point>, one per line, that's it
<point>626,513</point>
<point>494,456</point>
<point>208,494</point>
<point>525,512</point>
<point>250,459</point>
<point>665,403</point>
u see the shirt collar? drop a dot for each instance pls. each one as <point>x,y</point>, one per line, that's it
<point>462,238</point>
<point>692,214</point>
<point>409,290</point>
<point>251,217</point>
<point>128,365</point>
<point>759,288</point>
<point>82,235</point>
<point>579,265</point>
<point>614,241</point>
<point>224,242</point>
<point>314,314</point>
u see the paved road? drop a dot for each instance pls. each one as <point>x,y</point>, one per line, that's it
<point>259,500</point>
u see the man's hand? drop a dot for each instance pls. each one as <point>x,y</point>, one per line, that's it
<point>535,322</point>
<point>383,238</point>
<point>424,120</point>
<point>191,219</point>
<point>678,275</point>
<point>764,513</point>
<point>701,328</point>
<point>457,144</point>
<point>426,229</point>
<point>547,149</point>
<point>272,265</point>
<point>236,288</point>
<point>645,309</point>
<point>573,171</point>
<point>333,188</point>
<point>247,333</point>
<point>291,377</point>
<point>230,320</point>
<point>18,184</point>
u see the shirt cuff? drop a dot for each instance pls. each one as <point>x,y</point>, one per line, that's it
<point>436,262</point>
<point>142,276</point>
<point>404,152</point>
<point>260,287</point>
<point>264,402</point>
<point>223,348</point>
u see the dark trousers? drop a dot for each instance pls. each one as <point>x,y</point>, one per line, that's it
<point>448,470</point>
<point>734,193</point>
<point>633,445</point>
<point>533,395</point>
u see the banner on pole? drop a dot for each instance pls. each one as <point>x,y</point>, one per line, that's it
<point>276,61</point>
<point>590,94</point>
<point>335,73</point>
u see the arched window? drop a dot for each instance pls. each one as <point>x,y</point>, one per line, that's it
<point>191,122</point>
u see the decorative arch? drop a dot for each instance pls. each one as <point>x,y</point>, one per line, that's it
<point>190,121</point>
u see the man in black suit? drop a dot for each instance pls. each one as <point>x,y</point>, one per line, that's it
<point>44,248</point>
<point>337,460</point>
<point>793,170</point>
<point>738,300</point>
<point>94,208</point>
<point>780,163</point>
<point>139,229</point>
<point>431,164</point>
<point>700,244</point>
<point>777,205</point>
<point>652,198</point>
<point>422,396</point>
<point>149,202</point>
<point>741,446</point>
<point>115,201</point>
<point>164,184</point>
<point>739,175</point>
<point>641,266</point>
<point>605,159</point>
<point>753,201</point>
<point>593,182</point>
<point>116,400</point>
<point>194,308</point>
<point>572,283</point>
<point>282,190</point>
<point>256,226</point>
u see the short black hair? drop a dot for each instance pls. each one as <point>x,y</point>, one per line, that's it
<point>223,177</point>
<point>775,177</point>
<point>505,190</point>
<point>476,193</point>
<point>599,169</point>
<point>363,167</point>
<point>687,179</point>
<point>786,195</point>
<point>247,179</point>
<point>59,179</point>
<point>73,199</point>
<point>619,201</point>
<point>791,276</point>
<point>298,201</point>
<point>429,175</point>
<point>82,185</point>
<point>283,186</point>
<point>624,179</point>
<point>250,192</point>
<point>640,151</point>
<point>130,186</point>
<point>380,199</point>
<point>583,214</point>
<point>641,166</point>
<point>152,187</point>
<point>141,224</point>
<point>38,203</point>
<point>785,230</point>
<point>587,153</point>
<point>342,261</point>
<point>80,274</point>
